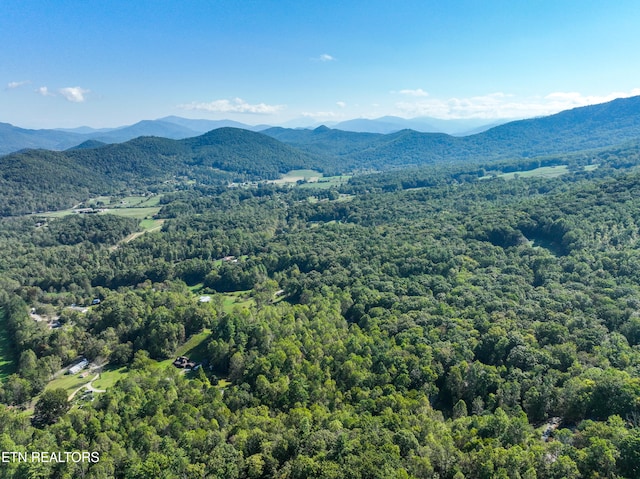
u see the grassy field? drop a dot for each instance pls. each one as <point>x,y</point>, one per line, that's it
<point>295,175</point>
<point>71,382</point>
<point>146,226</point>
<point>109,376</point>
<point>126,202</point>
<point>139,213</point>
<point>238,298</point>
<point>7,366</point>
<point>326,182</point>
<point>131,206</point>
<point>137,202</point>
<point>195,348</point>
<point>543,172</point>
<point>312,179</point>
<point>151,225</point>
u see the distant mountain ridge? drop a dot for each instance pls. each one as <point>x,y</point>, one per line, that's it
<point>44,179</point>
<point>13,138</point>
<point>605,118</point>
<point>582,128</point>
<point>392,124</point>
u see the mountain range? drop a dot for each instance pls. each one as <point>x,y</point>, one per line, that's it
<point>38,179</point>
<point>13,138</point>
<point>573,130</point>
<point>392,124</point>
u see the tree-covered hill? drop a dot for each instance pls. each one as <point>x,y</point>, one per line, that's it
<point>46,180</point>
<point>582,128</point>
<point>245,152</point>
<point>40,180</point>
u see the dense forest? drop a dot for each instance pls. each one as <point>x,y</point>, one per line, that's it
<point>457,321</point>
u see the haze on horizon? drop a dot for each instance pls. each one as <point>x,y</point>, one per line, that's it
<point>73,63</point>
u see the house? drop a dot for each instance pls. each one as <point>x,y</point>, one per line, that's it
<point>183,362</point>
<point>76,368</point>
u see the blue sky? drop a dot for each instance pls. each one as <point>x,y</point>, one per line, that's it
<point>110,63</point>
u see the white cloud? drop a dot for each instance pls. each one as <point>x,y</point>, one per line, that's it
<point>325,57</point>
<point>416,92</point>
<point>74,94</point>
<point>237,105</point>
<point>17,84</point>
<point>341,104</point>
<point>44,91</point>
<point>575,99</point>
<point>502,105</point>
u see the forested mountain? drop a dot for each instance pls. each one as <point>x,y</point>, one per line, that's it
<point>14,139</point>
<point>40,180</point>
<point>203,126</point>
<point>231,154</point>
<point>582,128</point>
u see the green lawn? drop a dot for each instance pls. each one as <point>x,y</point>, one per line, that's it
<point>238,298</point>
<point>71,382</point>
<point>109,376</point>
<point>7,365</point>
<point>151,225</point>
<point>195,348</point>
<point>196,288</point>
<point>135,201</point>
<point>56,214</point>
<point>312,178</point>
<point>132,206</point>
<point>302,174</point>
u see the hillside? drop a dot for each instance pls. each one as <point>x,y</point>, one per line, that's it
<point>45,179</point>
<point>39,180</point>
<point>13,139</point>
<point>582,128</point>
